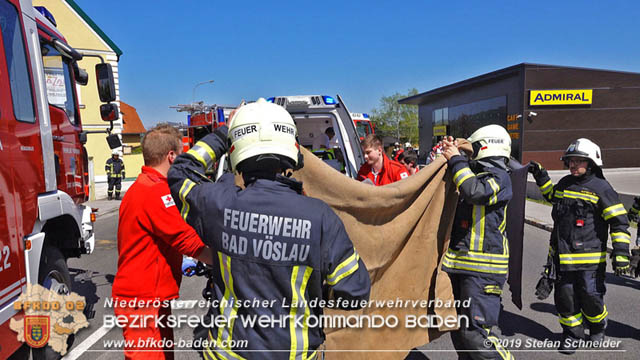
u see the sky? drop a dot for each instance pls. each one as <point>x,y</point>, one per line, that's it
<point>361,50</point>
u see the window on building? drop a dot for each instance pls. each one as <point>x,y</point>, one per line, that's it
<point>60,86</point>
<point>20,81</point>
<point>464,119</point>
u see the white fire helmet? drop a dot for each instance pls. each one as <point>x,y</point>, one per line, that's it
<point>115,152</point>
<point>262,128</point>
<point>583,148</point>
<point>490,140</point>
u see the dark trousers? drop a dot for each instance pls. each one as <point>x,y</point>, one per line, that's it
<point>579,297</point>
<point>114,182</point>
<point>483,314</point>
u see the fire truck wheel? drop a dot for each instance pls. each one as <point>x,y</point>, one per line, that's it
<point>54,275</point>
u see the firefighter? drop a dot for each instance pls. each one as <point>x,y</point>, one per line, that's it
<point>478,254</point>
<point>585,206</point>
<point>115,173</point>
<point>270,242</point>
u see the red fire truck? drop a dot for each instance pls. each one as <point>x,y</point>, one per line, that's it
<point>43,161</point>
<point>201,120</point>
<point>363,124</point>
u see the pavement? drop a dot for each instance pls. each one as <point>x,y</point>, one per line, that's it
<point>103,205</point>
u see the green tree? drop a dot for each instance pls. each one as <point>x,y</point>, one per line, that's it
<point>395,120</point>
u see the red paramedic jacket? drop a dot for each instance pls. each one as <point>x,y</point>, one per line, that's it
<point>391,171</point>
<point>152,236</point>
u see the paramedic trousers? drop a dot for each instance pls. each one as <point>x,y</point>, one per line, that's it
<point>476,341</point>
<point>149,341</point>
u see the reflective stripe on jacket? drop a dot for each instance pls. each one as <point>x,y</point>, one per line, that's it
<point>114,168</point>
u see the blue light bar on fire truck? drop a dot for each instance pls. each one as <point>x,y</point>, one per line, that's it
<point>47,14</point>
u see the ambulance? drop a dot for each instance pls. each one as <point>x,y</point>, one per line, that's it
<point>313,114</point>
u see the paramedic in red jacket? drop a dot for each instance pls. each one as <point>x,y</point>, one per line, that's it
<point>378,167</point>
<point>152,236</point>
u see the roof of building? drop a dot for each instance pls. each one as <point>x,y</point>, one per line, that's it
<point>94,26</point>
<point>131,120</point>
<point>490,76</point>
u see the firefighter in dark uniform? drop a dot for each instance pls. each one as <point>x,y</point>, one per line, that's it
<point>115,173</point>
<point>585,207</point>
<point>272,244</point>
<point>478,254</point>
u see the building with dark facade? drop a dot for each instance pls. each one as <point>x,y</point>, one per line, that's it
<point>544,108</point>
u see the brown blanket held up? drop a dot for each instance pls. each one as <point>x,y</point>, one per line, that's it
<point>401,231</point>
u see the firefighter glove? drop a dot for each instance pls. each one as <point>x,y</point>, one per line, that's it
<point>634,269</point>
<point>621,265</point>
<point>536,169</point>
<point>544,287</point>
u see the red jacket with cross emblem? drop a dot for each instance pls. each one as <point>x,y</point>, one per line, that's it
<point>152,236</point>
<point>391,171</point>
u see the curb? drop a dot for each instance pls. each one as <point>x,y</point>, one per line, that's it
<point>108,212</point>
<point>538,224</point>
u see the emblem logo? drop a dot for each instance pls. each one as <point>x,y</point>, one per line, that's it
<point>36,330</point>
<point>168,201</point>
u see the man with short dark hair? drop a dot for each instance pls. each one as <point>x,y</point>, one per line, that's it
<point>325,140</point>
<point>410,160</point>
<point>377,167</point>
<point>151,240</point>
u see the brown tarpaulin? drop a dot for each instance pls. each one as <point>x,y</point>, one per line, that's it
<point>401,231</point>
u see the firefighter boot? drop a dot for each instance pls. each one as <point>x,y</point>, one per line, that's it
<point>596,332</point>
<point>109,196</point>
<point>117,195</point>
<point>569,344</point>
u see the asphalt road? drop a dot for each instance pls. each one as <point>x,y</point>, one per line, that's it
<point>93,276</point>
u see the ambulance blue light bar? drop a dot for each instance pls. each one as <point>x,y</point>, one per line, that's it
<point>271,99</point>
<point>328,100</point>
<point>47,14</point>
<point>365,115</point>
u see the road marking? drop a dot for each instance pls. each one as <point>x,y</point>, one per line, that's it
<point>87,343</point>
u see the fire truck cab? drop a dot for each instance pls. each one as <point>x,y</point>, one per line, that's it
<point>363,124</point>
<point>43,162</point>
<point>313,114</point>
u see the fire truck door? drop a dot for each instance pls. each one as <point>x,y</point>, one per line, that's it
<point>17,114</point>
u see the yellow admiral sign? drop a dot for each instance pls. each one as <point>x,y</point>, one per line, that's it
<point>440,130</point>
<point>560,97</point>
